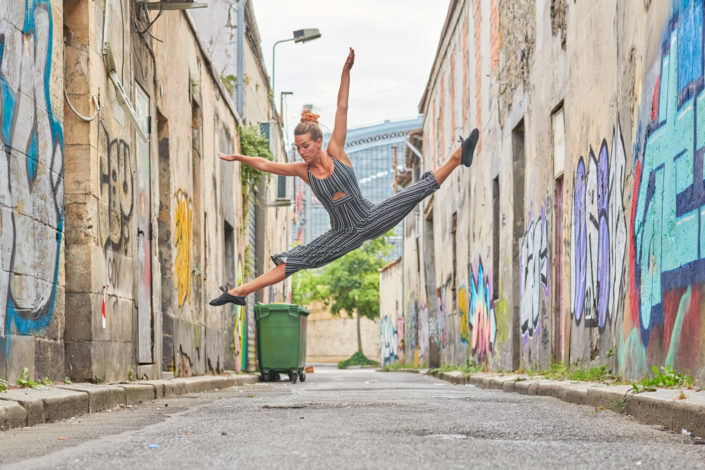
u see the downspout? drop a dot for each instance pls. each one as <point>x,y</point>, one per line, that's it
<point>240,98</point>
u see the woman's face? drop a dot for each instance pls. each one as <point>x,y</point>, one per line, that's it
<point>307,148</point>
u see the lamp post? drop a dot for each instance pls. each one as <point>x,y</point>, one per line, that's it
<point>282,120</point>
<point>281,105</point>
<point>300,35</point>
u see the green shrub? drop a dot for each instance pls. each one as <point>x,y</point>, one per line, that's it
<point>357,359</point>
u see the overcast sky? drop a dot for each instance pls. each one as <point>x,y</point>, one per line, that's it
<point>395,42</point>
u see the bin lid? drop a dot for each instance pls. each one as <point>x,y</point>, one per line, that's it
<point>262,308</point>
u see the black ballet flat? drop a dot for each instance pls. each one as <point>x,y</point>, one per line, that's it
<point>468,146</point>
<point>226,298</point>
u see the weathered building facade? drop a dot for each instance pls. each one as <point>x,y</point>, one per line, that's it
<point>119,222</point>
<point>228,29</point>
<point>575,235</point>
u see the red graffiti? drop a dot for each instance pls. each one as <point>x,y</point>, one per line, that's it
<point>654,99</point>
<point>633,294</point>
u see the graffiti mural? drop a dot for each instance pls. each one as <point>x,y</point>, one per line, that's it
<point>440,327</point>
<point>666,246</point>
<point>501,311</point>
<point>388,341</point>
<point>423,329</point>
<point>412,322</point>
<point>182,243</point>
<point>598,242</point>
<point>116,180</point>
<point>482,319</point>
<point>31,170</point>
<point>464,306</point>
<point>533,267</point>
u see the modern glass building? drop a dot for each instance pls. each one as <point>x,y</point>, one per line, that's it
<point>371,151</point>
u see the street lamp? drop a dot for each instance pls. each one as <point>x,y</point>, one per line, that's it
<point>301,35</point>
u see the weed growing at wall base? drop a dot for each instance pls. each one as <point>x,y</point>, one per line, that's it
<point>669,378</point>
<point>3,385</point>
<point>357,359</point>
<point>560,371</point>
<point>24,381</point>
<point>468,369</point>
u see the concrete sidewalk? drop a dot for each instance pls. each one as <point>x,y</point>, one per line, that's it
<point>679,410</point>
<point>29,406</point>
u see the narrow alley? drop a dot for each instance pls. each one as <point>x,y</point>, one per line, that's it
<point>356,418</point>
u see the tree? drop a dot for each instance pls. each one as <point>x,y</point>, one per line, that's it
<point>349,284</point>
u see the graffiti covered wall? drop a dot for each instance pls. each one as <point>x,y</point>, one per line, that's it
<point>611,267</point>
<point>31,175</point>
<point>534,307</point>
<point>666,277</point>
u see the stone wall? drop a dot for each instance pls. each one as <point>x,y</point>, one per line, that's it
<point>114,241</point>
<point>574,236</point>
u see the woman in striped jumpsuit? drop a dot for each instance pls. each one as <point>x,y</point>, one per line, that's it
<point>353,218</point>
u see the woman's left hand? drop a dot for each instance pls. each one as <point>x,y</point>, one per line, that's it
<point>228,158</point>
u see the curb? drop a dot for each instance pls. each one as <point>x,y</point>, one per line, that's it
<point>27,407</point>
<point>664,407</point>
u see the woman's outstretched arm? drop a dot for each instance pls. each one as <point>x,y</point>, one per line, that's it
<point>336,146</point>
<point>276,168</point>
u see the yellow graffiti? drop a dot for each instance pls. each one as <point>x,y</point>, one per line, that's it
<point>464,316</point>
<point>182,242</point>
<point>503,320</point>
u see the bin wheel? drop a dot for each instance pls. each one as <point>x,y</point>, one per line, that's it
<point>293,376</point>
<point>302,376</point>
<point>265,376</point>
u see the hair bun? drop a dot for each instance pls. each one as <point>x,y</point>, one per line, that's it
<point>309,116</point>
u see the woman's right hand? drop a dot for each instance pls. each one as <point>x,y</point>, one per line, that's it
<point>349,61</point>
<point>228,158</point>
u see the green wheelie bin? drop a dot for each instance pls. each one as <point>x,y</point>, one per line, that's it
<point>281,340</point>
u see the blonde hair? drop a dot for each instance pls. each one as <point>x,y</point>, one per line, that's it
<point>309,125</point>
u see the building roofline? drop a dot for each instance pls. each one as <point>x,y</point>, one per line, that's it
<point>446,24</point>
<point>389,265</point>
<point>211,68</point>
<point>386,126</point>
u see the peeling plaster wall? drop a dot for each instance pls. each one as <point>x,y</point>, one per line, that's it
<point>200,124</point>
<point>217,27</point>
<point>592,254</point>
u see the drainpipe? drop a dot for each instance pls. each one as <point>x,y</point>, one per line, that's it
<point>240,99</point>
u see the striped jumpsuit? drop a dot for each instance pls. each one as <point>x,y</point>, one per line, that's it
<point>353,218</point>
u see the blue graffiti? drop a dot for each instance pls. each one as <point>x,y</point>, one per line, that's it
<point>28,129</point>
<point>670,210</point>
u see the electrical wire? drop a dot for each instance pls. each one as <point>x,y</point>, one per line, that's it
<point>149,26</point>
<point>95,100</point>
<point>84,118</point>
<point>122,29</point>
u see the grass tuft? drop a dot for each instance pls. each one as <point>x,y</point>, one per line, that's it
<point>357,359</point>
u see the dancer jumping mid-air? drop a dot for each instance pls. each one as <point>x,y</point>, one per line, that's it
<point>329,172</point>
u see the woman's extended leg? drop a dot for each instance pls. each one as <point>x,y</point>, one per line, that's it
<point>388,213</point>
<point>329,246</point>
<point>447,168</point>
<point>274,275</point>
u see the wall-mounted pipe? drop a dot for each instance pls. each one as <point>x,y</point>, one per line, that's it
<point>240,86</point>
